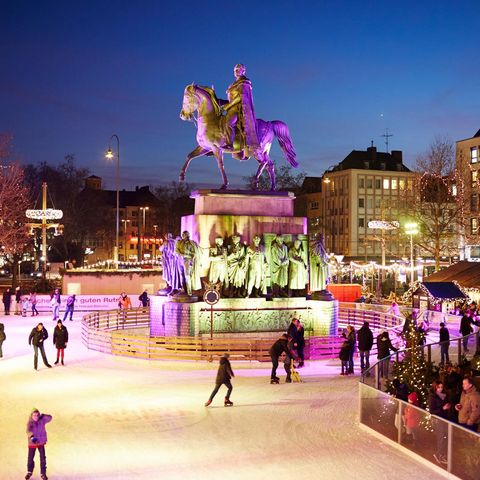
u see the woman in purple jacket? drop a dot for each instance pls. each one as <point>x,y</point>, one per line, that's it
<point>37,438</point>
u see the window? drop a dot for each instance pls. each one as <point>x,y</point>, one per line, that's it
<point>474,155</point>
<point>378,202</point>
<point>361,182</point>
<point>454,190</point>
<point>474,226</point>
<point>369,183</point>
<point>394,183</point>
<point>370,202</point>
<point>474,203</point>
<point>314,205</point>
<point>401,184</point>
<point>386,183</point>
<point>361,203</point>
<point>378,184</point>
<point>474,175</point>
<point>361,222</point>
<point>410,184</point>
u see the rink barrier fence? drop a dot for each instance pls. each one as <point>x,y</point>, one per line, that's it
<point>382,415</point>
<point>127,333</point>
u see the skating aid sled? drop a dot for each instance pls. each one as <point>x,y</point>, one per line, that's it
<point>294,375</point>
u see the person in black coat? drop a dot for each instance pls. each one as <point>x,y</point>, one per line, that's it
<point>224,375</point>
<point>466,328</point>
<point>300,343</point>
<point>37,337</point>
<point>282,345</point>
<point>7,300</point>
<point>60,340</point>
<point>365,344</point>
<point>144,298</point>
<point>384,345</point>
<point>444,343</point>
<point>351,337</point>
<point>438,405</point>
<point>344,356</point>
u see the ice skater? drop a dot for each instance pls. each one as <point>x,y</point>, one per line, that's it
<point>37,438</point>
<point>282,345</point>
<point>37,337</point>
<point>224,374</point>
<point>3,337</point>
<point>60,340</point>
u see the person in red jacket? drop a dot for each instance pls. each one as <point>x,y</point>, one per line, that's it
<point>37,438</point>
<point>411,417</point>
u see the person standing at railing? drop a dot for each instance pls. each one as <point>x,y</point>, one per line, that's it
<point>469,406</point>
<point>344,357</point>
<point>466,329</point>
<point>438,405</point>
<point>444,344</point>
<point>351,337</point>
<point>365,344</point>
<point>384,345</point>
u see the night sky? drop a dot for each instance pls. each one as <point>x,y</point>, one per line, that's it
<point>338,73</point>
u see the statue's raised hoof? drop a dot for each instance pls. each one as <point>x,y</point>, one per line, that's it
<point>181,178</point>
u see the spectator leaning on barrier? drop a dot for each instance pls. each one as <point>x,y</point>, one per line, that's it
<point>365,344</point>
<point>469,406</point>
<point>444,343</point>
<point>384,345</point>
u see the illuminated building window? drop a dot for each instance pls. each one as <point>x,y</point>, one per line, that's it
<point>474,226</point>
<point>474,155</point>
<point>394,183</point>
<point>474,175</point>
<point>386,183</point>
<point>401,184</point>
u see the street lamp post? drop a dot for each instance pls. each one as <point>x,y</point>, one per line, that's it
<point>110,156</point>
<point>142,247</point>
<point>124,221</point>
<point>155,243</point>
<point>411,229</point>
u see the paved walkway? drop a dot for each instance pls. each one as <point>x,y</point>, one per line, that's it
<point>119,418</point>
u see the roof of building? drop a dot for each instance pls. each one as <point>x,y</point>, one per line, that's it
<point>467,274</point>
<point>477,134</point>
<point>140,197</point>
<point>370,159</point>
<point>311,185</point>
<point>442,290</point>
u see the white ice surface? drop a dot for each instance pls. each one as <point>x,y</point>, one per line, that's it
<point>119,418</point>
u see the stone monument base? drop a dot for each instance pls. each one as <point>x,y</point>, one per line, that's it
<point>241,316</point>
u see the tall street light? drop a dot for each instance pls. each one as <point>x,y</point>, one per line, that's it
<point>143,209</point>
<point>125,237</point>
<point>110,156</point>
<point>155,242</point>
<point>411,229</point>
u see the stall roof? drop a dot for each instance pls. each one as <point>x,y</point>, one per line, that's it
<point>467,274</point>
<point>441,290</point>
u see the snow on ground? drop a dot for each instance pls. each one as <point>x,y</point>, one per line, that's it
<point>120,418</point>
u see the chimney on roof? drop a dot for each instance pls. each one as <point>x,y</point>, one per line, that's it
<point>372,153</point>
<point>93,182</point>
<point>397,156</point>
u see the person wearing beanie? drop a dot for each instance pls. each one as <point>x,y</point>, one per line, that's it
<point>411,417</point>
<point>60,340</point>
<point>224,374</point>
<point>37,438</point>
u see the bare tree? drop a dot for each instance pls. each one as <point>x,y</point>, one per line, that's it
<point>439,201</point>
<point>14,200</point>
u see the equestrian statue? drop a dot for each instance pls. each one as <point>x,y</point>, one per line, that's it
<point>230,126</point>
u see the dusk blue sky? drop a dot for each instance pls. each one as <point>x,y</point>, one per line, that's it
<point>338,73</point>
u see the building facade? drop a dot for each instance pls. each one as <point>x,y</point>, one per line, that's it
<point>468,164</point>
<point>366,186</point>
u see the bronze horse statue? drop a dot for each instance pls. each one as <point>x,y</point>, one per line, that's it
<point>212,135</point>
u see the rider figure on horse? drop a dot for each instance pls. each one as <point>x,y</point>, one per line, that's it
<point>240,115</point>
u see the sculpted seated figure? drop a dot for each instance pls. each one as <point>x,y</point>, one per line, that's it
<point>218,263</point>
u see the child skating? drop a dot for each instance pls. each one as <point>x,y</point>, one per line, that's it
<point>224,374</point>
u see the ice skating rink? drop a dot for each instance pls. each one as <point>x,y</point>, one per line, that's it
<point>119,418</point>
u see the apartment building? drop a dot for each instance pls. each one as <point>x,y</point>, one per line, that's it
<point>468,164</point>
<point>365,186</point>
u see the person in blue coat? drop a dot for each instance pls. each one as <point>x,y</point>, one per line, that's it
<point>37,439</point>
